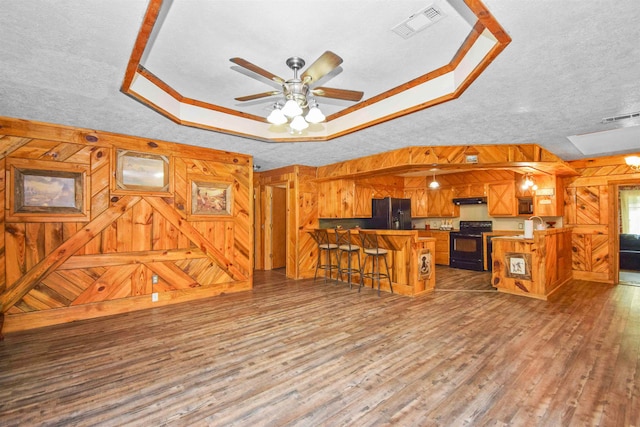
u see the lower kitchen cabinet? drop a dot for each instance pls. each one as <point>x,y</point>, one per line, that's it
<point>442,244</point>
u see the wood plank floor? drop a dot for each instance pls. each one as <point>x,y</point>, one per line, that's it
<point>305,354</point>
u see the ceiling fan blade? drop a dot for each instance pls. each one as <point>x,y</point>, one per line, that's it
<point>261,71</point>
<point>323,65</point>
<point>257,96</point>
<point>347,95</point>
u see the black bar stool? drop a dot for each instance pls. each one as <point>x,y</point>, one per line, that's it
<point>321,236</point>
<point>373,250</point>
<point>346,247</point>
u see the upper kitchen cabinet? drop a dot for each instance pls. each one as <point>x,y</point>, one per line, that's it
<point>419,202</point>
<point>346,198</point>
<point>470,190</point>
<point>548,200</point>
<point>336,199</point>
<point>440,203</point>
<point>501,199</point>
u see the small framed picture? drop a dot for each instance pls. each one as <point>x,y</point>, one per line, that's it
<point>42,190</point>
<point>471,158</point>
<point>142,172</point>
<point>424,264</point>
<point>518,265</point>
<point>209,198</point>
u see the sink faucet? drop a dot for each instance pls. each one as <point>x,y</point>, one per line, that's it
<point>542,226</point>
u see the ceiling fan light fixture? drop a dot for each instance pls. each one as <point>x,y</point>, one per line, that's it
<point>299,123</point>
<point>276,117</point>
<point>315,115</point>
<point>291,109</point>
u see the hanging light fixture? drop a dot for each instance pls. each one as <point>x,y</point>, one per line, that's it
<point>277,117</point>
<point>633,162</point>
<point>296,92</point>
<point>528,183</point>
<point>434,184</point>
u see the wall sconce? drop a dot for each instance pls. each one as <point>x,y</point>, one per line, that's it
<point>633,162</point>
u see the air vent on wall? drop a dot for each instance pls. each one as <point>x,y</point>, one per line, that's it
<point>418,22</point>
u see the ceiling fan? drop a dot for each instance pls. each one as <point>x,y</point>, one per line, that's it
<point>297,91</point>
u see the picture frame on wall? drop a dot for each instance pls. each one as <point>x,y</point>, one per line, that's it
<point>142,172</point>
<point>518,265</point>
<point>45,191</point>
<point>425,264</point>
<point>208,199</point>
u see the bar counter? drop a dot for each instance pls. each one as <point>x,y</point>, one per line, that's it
<point>407,251</point>
<point>534,267</point>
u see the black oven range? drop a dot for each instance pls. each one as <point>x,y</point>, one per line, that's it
<point>466,245</point>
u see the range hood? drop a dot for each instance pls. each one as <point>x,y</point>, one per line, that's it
<point>470,201</point>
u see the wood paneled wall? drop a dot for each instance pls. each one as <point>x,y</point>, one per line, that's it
<point>591,207</point>
<point>58,267</point>
<point>302,213</point>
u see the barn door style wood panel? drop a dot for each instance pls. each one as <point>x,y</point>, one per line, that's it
<point>501,199</point>
<point>137,244</point>
<point>590,209</point>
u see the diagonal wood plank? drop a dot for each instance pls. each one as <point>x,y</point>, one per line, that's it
<point>180,222</point>
<point>107,286</point>
<point>21,287</point>
<point>178,278</point>
<point>106,260</point>
<point>10,144</point>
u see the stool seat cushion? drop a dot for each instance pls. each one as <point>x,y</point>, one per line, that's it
<point>378,251</point>
<point>328,246</point>
<point>349,248</point>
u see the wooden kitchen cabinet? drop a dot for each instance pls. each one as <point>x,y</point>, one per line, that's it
<point>547,200</point>
<point>501,199</point>
<point>440,203</point>
<point>442,244</point>
<point>419,202</point>
<point>470,190</point>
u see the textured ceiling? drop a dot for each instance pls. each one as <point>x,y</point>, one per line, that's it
<point>570,64</point>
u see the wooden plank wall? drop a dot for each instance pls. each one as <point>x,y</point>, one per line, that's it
<point>57,268</point>
<point>591,208</point>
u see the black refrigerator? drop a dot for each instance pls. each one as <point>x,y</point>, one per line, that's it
<point>391,214</point>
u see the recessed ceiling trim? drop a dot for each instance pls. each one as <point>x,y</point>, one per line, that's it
<point>478,51</point>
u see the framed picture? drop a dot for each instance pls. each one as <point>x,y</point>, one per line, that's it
<point>424,264</point>
<point>42,190</point>
<point>209,198</point>
<point>518,265</point>
<point>142,172</point>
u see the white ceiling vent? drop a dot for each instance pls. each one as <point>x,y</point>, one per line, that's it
<point>418,22</point>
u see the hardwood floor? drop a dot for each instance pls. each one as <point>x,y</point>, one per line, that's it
<point>299,353</point>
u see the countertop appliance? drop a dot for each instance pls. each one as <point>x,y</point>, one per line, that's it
<point>391,214</point>
<point>466,245</point>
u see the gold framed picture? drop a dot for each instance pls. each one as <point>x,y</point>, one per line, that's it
<point>209,198</point>
<point>142,172</point>
<point>518,265</point>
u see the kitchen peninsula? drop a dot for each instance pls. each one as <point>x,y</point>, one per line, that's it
<point>406,252</point>
<point>534,267</point>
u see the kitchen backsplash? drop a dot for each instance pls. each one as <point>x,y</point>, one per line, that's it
<point>480,213</point>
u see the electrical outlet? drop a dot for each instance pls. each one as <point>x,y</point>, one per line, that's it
<point>154,279</point>
<point>154,297</point>
<point>520,226</point>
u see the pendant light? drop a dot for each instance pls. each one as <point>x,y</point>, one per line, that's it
<point>434,184</point>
